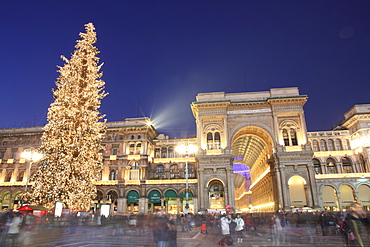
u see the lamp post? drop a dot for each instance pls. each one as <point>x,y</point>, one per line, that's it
<point>186,149</point>
<point>32,156</point>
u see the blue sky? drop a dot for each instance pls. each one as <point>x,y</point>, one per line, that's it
<point>159,54</point>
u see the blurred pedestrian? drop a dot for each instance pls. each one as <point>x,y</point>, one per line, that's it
<point>160,231</point>
<point>14,228</point>
<point>358,223</point>
<point>239,227</point>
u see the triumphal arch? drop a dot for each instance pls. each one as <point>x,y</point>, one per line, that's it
<point>266,133</point>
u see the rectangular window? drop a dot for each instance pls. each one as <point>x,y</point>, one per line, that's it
<point>114,150</point>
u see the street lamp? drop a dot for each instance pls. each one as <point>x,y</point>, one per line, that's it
<point>186,149</point>
<point>32,156</point>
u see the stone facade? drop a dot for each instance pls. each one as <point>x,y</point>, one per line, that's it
<point>264,131</point>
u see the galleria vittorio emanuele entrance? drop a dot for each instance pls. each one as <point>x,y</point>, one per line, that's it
<point>264,132</point>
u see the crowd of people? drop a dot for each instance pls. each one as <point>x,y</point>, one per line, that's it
<point>353,226</point>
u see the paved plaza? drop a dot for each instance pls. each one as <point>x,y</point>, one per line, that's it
<point>109,236</point>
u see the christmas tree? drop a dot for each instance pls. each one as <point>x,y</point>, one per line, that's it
<point>71,142</point>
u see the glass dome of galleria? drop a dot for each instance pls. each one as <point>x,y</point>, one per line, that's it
<point>242,170</point>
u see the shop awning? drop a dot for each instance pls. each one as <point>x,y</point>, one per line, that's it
<point>133,197</point>
<point>183,194</point>
<point>170,193</point>
<point>154,196</point>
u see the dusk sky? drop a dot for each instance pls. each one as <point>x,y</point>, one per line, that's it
<point>158,55</point>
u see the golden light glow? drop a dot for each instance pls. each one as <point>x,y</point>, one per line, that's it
<point>260,177</point>
<point>343,175</point>
<point>362,141</point>
<point>186,149</point>
<point>270,204</point>
<point>72,138</point>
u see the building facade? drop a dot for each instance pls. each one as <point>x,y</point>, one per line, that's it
<point>254,153</point>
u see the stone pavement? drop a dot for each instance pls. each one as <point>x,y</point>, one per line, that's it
<point>108,236</point>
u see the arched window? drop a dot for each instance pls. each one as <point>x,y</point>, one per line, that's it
<point>209,141</point>
<point>138,148</point>
<point>112,174</point>
<point>157,153</point>
<point>285,137</point>
<point>290,137</point>
<point>338,145</point>
<point>115,150</point>
<point>8,176</point>
<point>217,140</point>
<point>216,195</point>
<point>348,145</point>
<point>134,165</point>
<point>164,152</point>
<point>174,171</point>
<point>160,171</point>
<point>315,146</point>
<point>331,166</point>
<point>323,145</point>
<point>170,152</point>
<point>191,171</point>
<point>132,148</point>
<point>213,140</point>
<point>293,137</point>
<point>331,145</point>
<point>363,163</point>
<point>347,165</point>
<point>20,176</point>
<point>317,166</point>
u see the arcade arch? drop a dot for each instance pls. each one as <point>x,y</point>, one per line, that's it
<point>297,191</point>
<point>253,147</point>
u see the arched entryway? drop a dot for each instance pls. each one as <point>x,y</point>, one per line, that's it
<point>297,192</point>
<point>329,197</point>
<point>171,202</point>
<point>364,196</point>
<point>252,146</point>
<point>132,202</point>
<point>154,199</point>
<point>346,196</point>
<point>216,195</point>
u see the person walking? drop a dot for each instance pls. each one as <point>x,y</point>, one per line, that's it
<point>172,232</point>
<point>358,224</point>
<point>160,231</point>
<point>239,228</point>
<point>14,227</point>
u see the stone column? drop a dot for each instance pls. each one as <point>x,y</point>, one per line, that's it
<point>339,200</point>
<point>142,203</point>
<point>121,205</point>
<point>312,188</point>
<point>201,188</point>
<point>279,190</point>
<point>195,205</point>
<point>162,204</point>
<point>230,182</point>
<point>284,190</point>
<point>146,205</point>
<point>339,167</point>
<point>178,205</point>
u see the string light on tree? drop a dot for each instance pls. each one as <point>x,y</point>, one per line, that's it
<point>72,138</point>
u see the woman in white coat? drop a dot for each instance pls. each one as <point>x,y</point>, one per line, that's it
<point>239,228</point>
<point>225,225</point>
